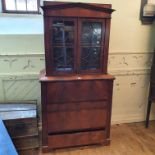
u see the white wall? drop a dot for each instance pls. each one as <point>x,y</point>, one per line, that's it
<point>130,54</point>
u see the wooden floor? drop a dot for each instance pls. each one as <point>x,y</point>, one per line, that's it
<point>126,139</point>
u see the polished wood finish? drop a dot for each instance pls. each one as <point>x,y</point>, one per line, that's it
<point>76,104</point>
<point>66,120</point>
<point>83,91</point>
<point>76,139</point>
<point>77,9</point>
<point>77,12</point>
<point>127,139</point>
<point>76,77</point>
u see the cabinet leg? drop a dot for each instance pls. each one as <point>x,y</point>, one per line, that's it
<point>148,113</point>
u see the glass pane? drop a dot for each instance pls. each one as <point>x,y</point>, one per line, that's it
<point>91,38</point>
<point>63,58</point>
<point>10,5</point>
<point>90,58</point>
<point>91,33</point>
<point>21,5</point>
<point>32,5</point>
<point>63,32</point>
<point>63,42</point>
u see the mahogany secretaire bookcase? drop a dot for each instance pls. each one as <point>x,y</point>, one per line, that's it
<point>76,89</point>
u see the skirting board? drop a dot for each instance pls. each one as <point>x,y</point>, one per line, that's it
<point>118,119</point>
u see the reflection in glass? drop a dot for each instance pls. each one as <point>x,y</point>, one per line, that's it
<point>91,33</point>
<point>91,37</point>
<point>63,59</point>
<point>90,58</point>
<point>63,32</point>
<point>63,42</point>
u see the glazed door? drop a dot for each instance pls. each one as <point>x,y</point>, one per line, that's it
<point>91,45</point>
<point>75,45</point>
<point>63,45</point>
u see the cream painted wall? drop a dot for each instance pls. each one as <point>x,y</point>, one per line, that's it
<point>130,54</point>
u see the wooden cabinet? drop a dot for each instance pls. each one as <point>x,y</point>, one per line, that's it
<point>76,89</point>
<point>20,119</point>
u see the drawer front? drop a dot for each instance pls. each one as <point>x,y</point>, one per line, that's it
<point>76,139</point>
<point>26,142</point>
<point>33,151</point>
<point>82,116</point>
<point>56,107</point>
<point>22,127</point>
<point>78,91</point>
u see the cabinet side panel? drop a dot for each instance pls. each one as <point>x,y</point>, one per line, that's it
<point>44,115</point>
<point>109,108</point>
<point>48,57</point>
<point>106,43</point>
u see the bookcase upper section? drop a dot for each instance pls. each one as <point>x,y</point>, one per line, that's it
<point>76,37</point>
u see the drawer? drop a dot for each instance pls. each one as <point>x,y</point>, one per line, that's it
<point>55,107</point>
<point>70,117</point>
<point>26,142</point>
<point>76,139</point>
<point>33,151</point>
<point>22,127</point>
<point>75,91</point>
